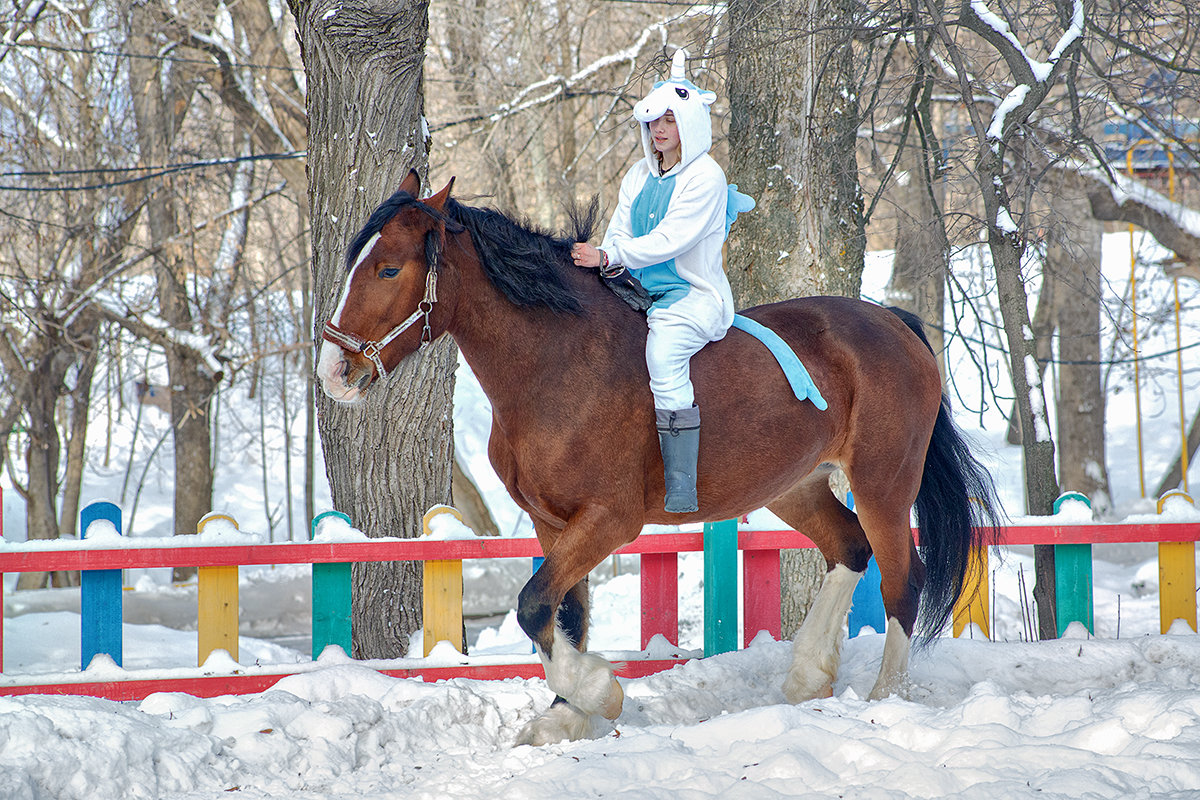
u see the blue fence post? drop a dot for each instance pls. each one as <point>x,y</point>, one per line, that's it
<point>537,564</point>
<point>100,596</point>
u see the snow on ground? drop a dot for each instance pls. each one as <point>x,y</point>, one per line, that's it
<point>1116,716</point>
<point>1073,718</point>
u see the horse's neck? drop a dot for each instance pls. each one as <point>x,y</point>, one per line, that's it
<point>518,353</point>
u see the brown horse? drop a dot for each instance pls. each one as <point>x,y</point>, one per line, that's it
<point>573,432</point>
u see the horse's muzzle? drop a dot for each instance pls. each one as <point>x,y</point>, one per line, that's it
<point>341,380</point>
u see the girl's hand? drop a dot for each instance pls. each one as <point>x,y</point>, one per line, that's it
<point>585,255</point>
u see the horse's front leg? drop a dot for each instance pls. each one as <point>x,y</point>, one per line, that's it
<point>553,612</point>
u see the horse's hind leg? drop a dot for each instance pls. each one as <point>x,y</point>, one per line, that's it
<point>812,509</point>
<point>882,501</point>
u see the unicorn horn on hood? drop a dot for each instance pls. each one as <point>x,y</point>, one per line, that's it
<point>679,65</point>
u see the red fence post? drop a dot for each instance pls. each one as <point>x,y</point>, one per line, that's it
<point>660,596</point>
<point>761,610</point>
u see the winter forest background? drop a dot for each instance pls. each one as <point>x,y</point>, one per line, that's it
<point>178,182</point>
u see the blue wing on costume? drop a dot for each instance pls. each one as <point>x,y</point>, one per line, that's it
<point>736,204</point>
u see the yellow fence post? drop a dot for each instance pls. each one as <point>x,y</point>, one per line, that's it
<point>973,606</point>
<point>217,613</point>
<point>1176,576</point>
<point>443,593</point>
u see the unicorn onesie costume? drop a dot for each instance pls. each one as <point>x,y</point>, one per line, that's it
<point>668,229</point>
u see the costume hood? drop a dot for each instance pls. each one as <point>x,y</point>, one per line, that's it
<point>689,103</point>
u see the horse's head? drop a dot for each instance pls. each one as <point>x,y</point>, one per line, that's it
<point>389,296</point>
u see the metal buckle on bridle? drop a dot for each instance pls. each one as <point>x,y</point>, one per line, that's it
<point>373,350</point>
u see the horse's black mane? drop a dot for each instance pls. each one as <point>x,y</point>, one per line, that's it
<point>526,264</point>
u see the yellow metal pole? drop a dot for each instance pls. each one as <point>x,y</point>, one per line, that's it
<point>442,594</point>
<point>217,606</point>
<point>1183,437</point>
<point>1137,372</point>
<point>1176,577</point>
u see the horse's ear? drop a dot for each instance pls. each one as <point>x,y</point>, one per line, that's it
<point>411,183</point>
<point>438,201</point>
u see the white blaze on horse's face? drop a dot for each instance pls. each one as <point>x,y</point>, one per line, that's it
<point>332,367</point>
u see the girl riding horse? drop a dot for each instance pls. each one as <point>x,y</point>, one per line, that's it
<point>668,228</point>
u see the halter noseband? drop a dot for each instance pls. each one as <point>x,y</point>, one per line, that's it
<point>357,344</point>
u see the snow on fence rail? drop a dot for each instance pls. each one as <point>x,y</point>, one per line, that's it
<point>219,549</point>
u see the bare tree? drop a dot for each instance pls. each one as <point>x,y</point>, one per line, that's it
<point>389,460</point>
<point>792,137</point>
<point>913,185</point>
<point>56,242</point>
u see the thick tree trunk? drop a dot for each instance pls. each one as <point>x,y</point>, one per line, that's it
<point>918,281</point>
<point>160,101</point>
<point>42,462</point>
<point>389,459</point>
<point>1041,482</point>
<point>1073,258</point>
<point>793,120</point>
<point>922,248</point>
<point>792,135</point>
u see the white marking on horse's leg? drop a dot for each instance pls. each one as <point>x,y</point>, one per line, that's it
<point>585,680</point>
<point>816,650</point>
<point>562,721</point>
<point>893,671</point>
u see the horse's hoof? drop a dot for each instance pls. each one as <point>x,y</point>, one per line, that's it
<point>896,686</point>
<point>560,722</point>
<point>616,699</point>
<point>799,688</point>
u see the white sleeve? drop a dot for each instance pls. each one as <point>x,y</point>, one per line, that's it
<point>697,208</point>
<point>620,226</point>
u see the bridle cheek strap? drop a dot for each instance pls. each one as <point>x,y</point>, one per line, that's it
<point>354,343</point>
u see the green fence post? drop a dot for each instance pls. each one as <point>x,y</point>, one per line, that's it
<point>720,587</point>
<point>330,599</point>
<point>1073,578</point>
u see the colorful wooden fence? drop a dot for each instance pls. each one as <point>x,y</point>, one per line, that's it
<point>720,542</point>
<point>1073,566</point>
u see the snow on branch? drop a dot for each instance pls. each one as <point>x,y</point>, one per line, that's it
<point>157,330</point>
<point>1032,78</point>
<point>1040,70</point>
<point>558,85</point>
<point>1116,197</point>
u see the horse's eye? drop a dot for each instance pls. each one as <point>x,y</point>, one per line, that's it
<point>681,92</point>
<point>389,272</point>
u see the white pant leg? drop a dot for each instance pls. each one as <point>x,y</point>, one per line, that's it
<point>677,332</point>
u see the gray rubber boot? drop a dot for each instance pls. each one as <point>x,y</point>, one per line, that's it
<point>679,438</point>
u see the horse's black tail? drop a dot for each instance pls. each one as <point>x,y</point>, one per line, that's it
<point>957,509</point>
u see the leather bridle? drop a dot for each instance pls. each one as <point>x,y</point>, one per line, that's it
<point>354,343</point>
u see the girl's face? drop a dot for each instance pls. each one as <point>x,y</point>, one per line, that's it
<point>665,135</point>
